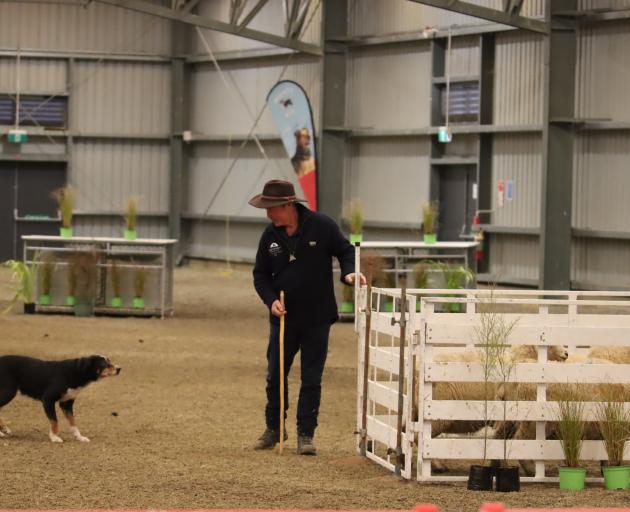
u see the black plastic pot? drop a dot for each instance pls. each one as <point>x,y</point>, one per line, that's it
<point>508,479</point>
<point>480,478</point>
<point>29,308</point>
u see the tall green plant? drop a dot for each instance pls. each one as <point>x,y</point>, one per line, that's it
<point>131,214</point>
<point>46,271</point>
<point>24,278</point>
<point>116,278</point>
<point>65,202</point>
<point>570,418</point>
<point>353,215</point>
<point>613,421</point>
<point>429,217</point>
<point>139,281</point>
<point>86,268</point>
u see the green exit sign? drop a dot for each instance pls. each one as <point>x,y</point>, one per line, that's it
<point>17,136</point>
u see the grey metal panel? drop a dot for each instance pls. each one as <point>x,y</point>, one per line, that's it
<point>107,173</point>
<point>209,164</point>
<point>108,226</point>
<point>603,72</point>
<point>602,4</point>
<point>518,82</point>
<point>462,145</point>
<point>391,178</point>
<point>217,110</point>
<point>36,75</point>
<point>40,145</point>
<point>513,256</point>
<point>517,158</point>
<point>121,98</point>
<point>270,19</point>
<point>464,59</point>
<point>601,182</point>
<point>214,239</point>
<point>604,264</point>
<point>97,27</point>
<point>389,87</point>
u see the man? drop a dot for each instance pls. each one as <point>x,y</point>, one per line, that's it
<point>295,255</point>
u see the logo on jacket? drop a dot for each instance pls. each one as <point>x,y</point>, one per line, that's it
<point>274,249</point>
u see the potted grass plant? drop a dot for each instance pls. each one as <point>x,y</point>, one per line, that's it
<point>131,217</point>
<point>487,337</point>
<point>139,283</point>
<point>65,202</point>
<point>45,274</point>
<point>71,298</point>
<point>353,215</point>
<point>613,422</point>
<point>507,477</point>
<point>116,280</point>
<point>429,222</point>
<point>420,278</point>
<point>570,430</point>
<point>374,264</point>
<point>86,264</point>
<point>455,278</point>
<point>24,278</point>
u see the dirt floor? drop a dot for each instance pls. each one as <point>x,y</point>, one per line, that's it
<point>175,429</point>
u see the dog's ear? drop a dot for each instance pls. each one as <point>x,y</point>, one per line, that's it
<point>92,365</point>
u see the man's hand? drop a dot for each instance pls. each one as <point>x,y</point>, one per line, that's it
<point>351,277</point>
<point>277,309</point>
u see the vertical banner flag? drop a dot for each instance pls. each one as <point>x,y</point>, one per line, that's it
<point>291,111</point>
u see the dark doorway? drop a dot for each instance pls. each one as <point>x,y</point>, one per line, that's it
<point>457,204</point>
<point>26,204</point>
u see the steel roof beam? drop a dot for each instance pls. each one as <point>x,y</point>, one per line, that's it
<point>488,14</point>
<point>203,22</point>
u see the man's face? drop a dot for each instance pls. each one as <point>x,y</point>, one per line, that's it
<point>279,215</point>
<point>303,139</point>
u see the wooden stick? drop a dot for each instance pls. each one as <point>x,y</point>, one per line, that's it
<point>282,375</point>
<point>366,362</point>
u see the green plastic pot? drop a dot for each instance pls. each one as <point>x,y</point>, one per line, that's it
<point>116,302</point>
<point>388,307</point>
<point>130,234</point>
<point>429,238</point>
<point>616,477</point>
<point>65,232</point>
<point>356,238</point>
<point>347,307</point>
<point>71,300</point>
<point>572,479</point>
<point>138,302</point>
<point>44,300</point>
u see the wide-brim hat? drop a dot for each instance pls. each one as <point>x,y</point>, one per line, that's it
<point>275,193</point>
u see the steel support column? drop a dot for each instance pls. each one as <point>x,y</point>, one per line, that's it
<point>331,163</point>
<point>179,106</point>
<point>558,142</point>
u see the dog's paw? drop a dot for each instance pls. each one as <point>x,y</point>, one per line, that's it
<point>55,438</point>
<point>77,435</point>
<point>4,431</point>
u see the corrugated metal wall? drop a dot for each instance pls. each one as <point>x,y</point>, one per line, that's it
<point>122,98</point>
<point>220,111</point>
<point>36,75</point>
<point>601,264</point>
<point>518,79</point>
<point>73,27</point>
<point>514,258</point>
<point>517,159</point>
<point>390,177</point>
<point>209,166</point>
<point>389,87</point>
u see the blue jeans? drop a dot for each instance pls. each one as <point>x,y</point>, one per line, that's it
<point>312,343</point>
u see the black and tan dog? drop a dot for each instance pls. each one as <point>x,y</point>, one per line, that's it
<point>51,382</point>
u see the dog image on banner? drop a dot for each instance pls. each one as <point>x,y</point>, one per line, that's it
<point>291,111</point>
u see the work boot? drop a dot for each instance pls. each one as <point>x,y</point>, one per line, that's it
<point>306,446</point>
<point>269,439</point>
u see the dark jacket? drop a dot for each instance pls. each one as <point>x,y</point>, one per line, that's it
<point>307,281</point>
